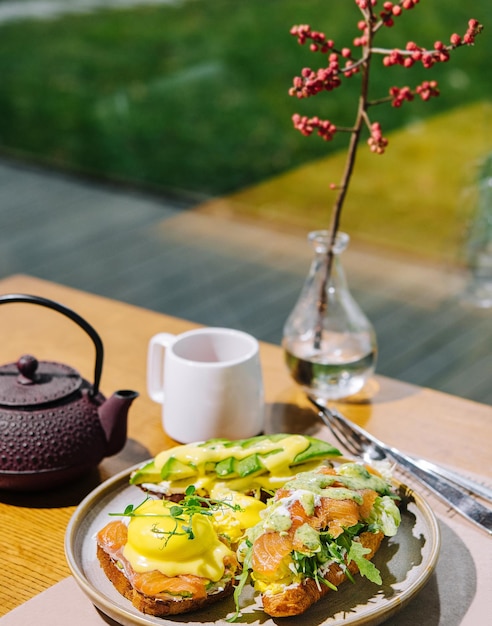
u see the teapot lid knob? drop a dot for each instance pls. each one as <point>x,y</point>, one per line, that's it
<point>27,366</point>
<point>31,383</point>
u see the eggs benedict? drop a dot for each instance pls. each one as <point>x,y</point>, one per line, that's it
<point>169,559</point>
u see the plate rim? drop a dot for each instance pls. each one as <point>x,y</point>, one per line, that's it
<point>129,618</point>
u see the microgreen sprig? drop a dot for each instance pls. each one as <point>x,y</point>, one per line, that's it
<point>182,513</point>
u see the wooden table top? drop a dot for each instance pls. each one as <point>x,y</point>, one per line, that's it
<point>421,421</point>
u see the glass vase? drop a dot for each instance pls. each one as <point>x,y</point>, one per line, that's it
<point>329,344</point>
<point>478,290</point>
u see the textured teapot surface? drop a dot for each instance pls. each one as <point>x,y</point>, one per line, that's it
<point>52,436</point>
<point>47,418</point>
<point>54,425</point>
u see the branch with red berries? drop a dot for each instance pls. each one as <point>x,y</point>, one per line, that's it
<point>343,64</point>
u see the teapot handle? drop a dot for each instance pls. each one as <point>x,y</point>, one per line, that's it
<point>75,317</point>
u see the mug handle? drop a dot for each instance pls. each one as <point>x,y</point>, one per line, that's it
<point>155,365</point>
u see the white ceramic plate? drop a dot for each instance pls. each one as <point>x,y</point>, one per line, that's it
<point>405,562</point>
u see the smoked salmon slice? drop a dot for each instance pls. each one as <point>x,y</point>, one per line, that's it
<point>298,516</point>
<point>338,514</point>
<point>113,537</point>
<point>271,555</point>
<point>154,583</point>
<point>369,496</point>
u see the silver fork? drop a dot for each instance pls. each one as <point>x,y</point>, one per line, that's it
<point>360,443</point>
<point>357,442</point>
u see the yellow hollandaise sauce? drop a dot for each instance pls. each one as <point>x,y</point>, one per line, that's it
<point>238,513</point>
<point>275,453</point>
<point>262,462</point>
<point>158,540</point>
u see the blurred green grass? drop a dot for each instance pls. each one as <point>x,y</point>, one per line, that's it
<point>392,204</point>
<point>193,96</point>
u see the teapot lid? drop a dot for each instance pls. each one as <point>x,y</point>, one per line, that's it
<point>30,382</point>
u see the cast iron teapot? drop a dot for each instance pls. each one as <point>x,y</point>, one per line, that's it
<point>54,425</point>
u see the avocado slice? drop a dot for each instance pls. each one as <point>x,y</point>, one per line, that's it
<point>253,441</point>
<point>173,469</point>
<point>148,473</point>
<point>250,465</point>
<point>233,468</point>
<point>226,468</point>
<point>316,449</point>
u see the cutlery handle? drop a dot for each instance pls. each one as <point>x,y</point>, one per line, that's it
<point>452,495</point>
<point>470,484</point>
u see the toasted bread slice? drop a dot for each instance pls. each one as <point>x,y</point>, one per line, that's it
<point>159,607</point>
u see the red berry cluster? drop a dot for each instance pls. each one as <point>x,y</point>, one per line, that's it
<point>474,29</point>
<point>319,41</point>
<point>439,54</point>
<point>328,78</point>
<point>363,40</point>
<point>307,125</point>
<point>310,83</point>
<point>341,64</point>
<point>426,90</point>
<point>400,94</point>
<point>414,53</point>
<point>392,10</point>
<point>377,143</point>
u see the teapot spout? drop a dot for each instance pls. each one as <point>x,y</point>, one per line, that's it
<point>113,414</point>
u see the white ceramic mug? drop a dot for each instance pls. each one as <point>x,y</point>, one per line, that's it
<point>209,382</point>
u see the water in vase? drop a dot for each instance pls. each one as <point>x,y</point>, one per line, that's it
<point>330,344</point>
<point>338,368</point>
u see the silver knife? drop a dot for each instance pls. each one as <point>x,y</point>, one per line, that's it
<point>467,483</point>
<point>456,498</point>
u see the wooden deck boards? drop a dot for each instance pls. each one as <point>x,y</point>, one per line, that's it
<point>215,271</point>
